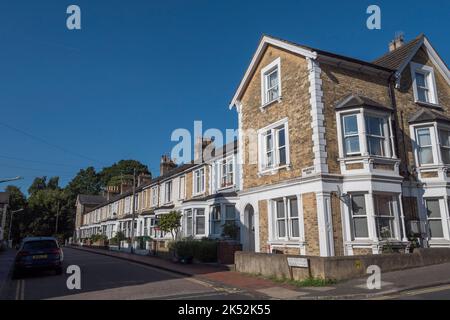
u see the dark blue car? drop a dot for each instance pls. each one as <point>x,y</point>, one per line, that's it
<point>38,253</point>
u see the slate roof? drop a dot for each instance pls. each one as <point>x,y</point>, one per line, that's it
<point>427,115</point>
<point>335,55</point>
<point>353,100</point>
<point>394,59</point>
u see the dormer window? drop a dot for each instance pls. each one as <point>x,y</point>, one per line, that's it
<point>424,84</point>
<point>270,83</point>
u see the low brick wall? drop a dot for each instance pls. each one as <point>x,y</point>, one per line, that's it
<point>337,268</point>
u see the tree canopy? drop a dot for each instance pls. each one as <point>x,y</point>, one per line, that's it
<point>50,209</point>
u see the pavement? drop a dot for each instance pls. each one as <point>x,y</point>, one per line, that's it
<point>392,283</point>
<point>6,262</point>
<point>114,275</point>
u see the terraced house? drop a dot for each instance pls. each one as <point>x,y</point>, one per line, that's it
<point>352,155</point>
<point>203,191</point>
<point>335,156</point>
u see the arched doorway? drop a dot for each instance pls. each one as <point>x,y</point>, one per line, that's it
<point>249,219</point>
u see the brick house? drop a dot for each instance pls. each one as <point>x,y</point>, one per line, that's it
<point>341,156</point>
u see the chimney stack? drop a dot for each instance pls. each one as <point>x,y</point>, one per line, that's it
<point>398,41</point>
<point>143,179</point>
<point>166,165</point>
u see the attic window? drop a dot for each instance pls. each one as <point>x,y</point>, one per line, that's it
<point>424,84</point>
<point>270,83</point>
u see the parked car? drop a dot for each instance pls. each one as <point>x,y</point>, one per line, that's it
<point>38,253</point>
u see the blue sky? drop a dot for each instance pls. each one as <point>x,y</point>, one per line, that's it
<point>140,69</point>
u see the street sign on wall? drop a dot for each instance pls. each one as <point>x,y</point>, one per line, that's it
<point>297,262</point>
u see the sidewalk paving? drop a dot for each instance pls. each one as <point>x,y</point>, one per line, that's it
<point>391,282</point>
<point>6,263</point>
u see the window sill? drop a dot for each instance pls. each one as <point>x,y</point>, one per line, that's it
<point>267,104</point>
<point>226,187</point>
<point>428,104</point>
<point>275,170</point>
<point>283,242</point>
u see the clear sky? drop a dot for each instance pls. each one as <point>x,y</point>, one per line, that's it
<point>137,70</point>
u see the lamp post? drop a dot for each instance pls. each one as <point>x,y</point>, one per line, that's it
<point>10,224</point>
<point>10,179</point>
<point>133,211</point>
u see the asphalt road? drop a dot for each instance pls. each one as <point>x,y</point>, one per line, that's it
<point>104,277</point>
<point>434,293</point>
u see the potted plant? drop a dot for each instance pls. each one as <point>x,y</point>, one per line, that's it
<point>230,231</point>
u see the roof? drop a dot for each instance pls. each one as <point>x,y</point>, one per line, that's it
<point>87,199</point>
<point>4,197</point>
<point>223,150</point>
<point>354,100</point>
<point>295,48</point>
<point>428,115</point>
<point>395,59</point>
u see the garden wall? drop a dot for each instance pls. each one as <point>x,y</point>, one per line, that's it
<point>336,268</point>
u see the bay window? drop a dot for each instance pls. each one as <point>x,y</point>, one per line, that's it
<point>434,218</point>
<point>384,215</point>
<point>216,220</point>
<point>199,221</point>
<point>424,146</point>
<point>274,146</point>
<point>189,223</point>
<point>444,140</point>
<point>351,135</point>
<point>365,133</point>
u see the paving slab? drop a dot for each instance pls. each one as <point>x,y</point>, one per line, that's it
<point>281,293</point>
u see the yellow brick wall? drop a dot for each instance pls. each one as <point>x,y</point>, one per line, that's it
<point>294,105</point>
<point>311,225</point>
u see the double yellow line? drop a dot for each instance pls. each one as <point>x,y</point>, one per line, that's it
<point>20,289</point>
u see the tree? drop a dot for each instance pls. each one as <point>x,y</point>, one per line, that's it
<point>122,168</point>
<point>17,201</point>
<point>170,222</point>
<point>87,181</point>
<point>39,183</point>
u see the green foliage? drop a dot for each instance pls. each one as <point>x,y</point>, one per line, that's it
<point>98,237</point>
<point>230,230</point>
<point>308,282</point>
<point>202,250</point>
<point>170,222</point>
<point>123,167</point>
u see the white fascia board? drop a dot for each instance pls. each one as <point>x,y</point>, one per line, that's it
<point>265,41</point>
<point>437,61</point>
<point>434,57</point>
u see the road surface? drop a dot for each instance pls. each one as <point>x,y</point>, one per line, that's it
<point>104,277</point>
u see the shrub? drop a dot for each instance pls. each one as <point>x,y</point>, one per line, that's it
<point>201,250</point>
<point>230,230</point>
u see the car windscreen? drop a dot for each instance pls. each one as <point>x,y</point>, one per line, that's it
<point>40,245</point>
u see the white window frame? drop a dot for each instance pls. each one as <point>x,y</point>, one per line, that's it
<point>393,207</point>
<point>441,218</point>
<point>225,163</point>
<point>196,190</point>
<point>154,201</point>
<point>168,190</point>
<point>287,219</point>
<point>361,114</point>
<point>352,216</point>
<point>196,215</point>
<point>262,149</point>
<point>265,72</point>
<point>213,220</point>
<point>434,129</point>
<point>428,73</point>
<point>344,135</point>
<point>182,187</point>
